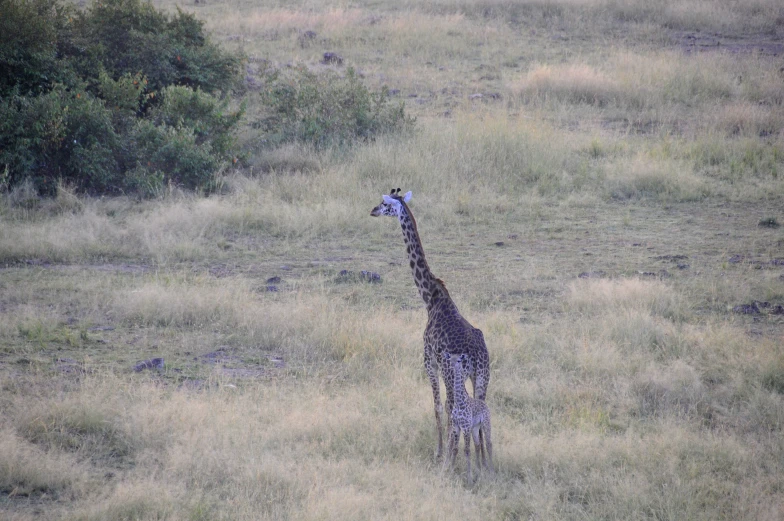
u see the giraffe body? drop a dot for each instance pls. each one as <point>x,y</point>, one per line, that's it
<point>446,331</point>
<point>470,417</point>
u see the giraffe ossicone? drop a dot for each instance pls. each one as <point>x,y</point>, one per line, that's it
<point>446,331</point>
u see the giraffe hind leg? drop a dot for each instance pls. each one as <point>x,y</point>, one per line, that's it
<point>475,434</point>
<point>489,445</point>
<point>479,386</point>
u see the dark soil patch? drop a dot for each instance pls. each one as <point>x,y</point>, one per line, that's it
<point>692,42</point>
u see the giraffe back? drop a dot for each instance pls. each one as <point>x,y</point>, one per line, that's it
<point>448,332</point>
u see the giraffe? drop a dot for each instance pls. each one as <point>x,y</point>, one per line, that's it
<point>446,331</point>
<point>469,417</point>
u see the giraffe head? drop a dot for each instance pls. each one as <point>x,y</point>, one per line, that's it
<point>458,363</point>
<point>391,204</point>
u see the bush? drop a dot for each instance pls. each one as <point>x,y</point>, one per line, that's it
<point>327,109</point>
<point>131,36</point>
<point>208,117</point>
<point>170,155</point>
<point>31,32</point>
<point>117,98</point>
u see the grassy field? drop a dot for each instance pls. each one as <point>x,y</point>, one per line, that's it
<point>600,184</point>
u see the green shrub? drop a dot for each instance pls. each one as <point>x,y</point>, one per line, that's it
<point>131,36</point>
<point>32,33</point>
<point>116,98</point>
<point>209,118</point>
<point>59,135</point>
<point>327,109</point>
<point>170,155</point>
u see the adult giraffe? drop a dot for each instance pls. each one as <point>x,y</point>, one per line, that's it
<point>446,331</point>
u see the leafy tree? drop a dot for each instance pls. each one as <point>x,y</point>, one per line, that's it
<point>119,97</point>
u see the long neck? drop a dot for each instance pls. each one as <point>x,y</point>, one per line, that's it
<point>430,288</point>
<point>460,395</point>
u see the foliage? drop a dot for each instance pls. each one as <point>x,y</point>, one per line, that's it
<point>93,97</point>
<point>328,109</point>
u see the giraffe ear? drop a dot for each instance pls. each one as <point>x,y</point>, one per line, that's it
<point>388,199</point>
<point>407,197</point>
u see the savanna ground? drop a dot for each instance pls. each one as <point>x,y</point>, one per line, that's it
<point>638,143</point>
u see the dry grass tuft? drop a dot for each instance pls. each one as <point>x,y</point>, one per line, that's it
<point>27,470</point>
<point>647,177</point>
<point>749,119</point>
<point>574,83</point>
<point>599,297</point>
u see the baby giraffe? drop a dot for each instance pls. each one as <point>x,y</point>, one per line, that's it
<point>469,416</point>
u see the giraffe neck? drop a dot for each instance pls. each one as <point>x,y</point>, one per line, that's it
<point>460,395</point>
<point>430,288</point>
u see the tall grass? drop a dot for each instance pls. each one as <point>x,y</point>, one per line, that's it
<point>598,147</point>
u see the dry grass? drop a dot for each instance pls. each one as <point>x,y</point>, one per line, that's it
<point>605,145</point>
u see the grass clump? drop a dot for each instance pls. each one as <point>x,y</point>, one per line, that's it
<point>89,430</point>
<point>642,178</point>
<point>574,83</point>
<point>328,109</point>
<point>595,297</point>
<point>29,471</point>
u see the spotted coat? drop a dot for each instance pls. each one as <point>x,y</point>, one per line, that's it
<point>446,331</point>
<point>470,417</point>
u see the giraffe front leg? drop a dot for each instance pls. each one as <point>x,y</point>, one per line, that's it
<point>467,439</point>
<point>432,374</point>
<point>453,439</point>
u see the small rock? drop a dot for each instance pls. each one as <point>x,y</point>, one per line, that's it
<point>591,274</point>
<point>499,243</point>
<point>370,276</point>
<point>306,38</point>
<point>332,58</point>
<point>683,266</point>
<point>344,276</point>
<point>153,363</point>
<point>271,288</point>
<point>274,280</point>
<point>747,309</point>
<point>673,258</point>
<point>69,365</point>
<point>363,276</point>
